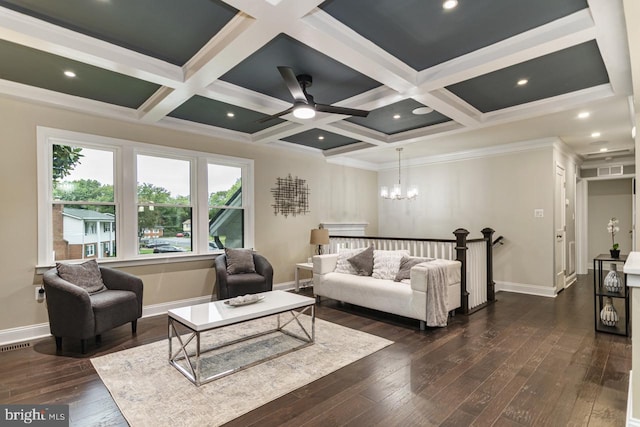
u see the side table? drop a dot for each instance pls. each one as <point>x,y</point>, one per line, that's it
<point>302,266</point>
<point>620,299</point>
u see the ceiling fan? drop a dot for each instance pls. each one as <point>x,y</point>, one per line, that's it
<point>304,107</point>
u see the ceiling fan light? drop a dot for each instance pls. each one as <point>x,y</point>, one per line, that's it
<point>303,111</point>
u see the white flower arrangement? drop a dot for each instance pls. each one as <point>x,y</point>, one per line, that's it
<point>613,228</point>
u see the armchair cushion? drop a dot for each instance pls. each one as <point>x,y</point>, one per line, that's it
<point>239,261</point>
<point>86,275</point>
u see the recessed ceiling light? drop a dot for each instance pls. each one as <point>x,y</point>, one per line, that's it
<point>449,4</point>
<point>584,115</point>
<point>422,110</point>
<point>321,137</point>
<point>230,114</point>
<point>69,73</point>
<point>522,82</point>
<point>595,135</point>
<point>396,116</point>
<point>604,150</point>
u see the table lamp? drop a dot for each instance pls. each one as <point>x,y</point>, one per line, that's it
<point>319,236</point>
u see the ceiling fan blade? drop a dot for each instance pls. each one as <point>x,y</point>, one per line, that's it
<point>275,116</point>
<point>290,79</point>
<point>341,110</point>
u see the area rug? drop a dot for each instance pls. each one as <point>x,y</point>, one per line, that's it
<point>150,392</point>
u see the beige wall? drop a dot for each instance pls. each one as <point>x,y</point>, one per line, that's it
<point>606,199</point>
<point>337,194</point>
<point>500,192</point>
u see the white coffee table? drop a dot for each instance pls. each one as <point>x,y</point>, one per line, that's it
<point>206,317</point>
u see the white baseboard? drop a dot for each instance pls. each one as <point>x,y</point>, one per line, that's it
<point>41,330</point>
<point>524,288</point>
<point>631,422</point>
<point>571,280</point>
<point>24,333</point>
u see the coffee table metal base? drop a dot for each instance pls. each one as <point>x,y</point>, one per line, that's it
<point>193,369</point>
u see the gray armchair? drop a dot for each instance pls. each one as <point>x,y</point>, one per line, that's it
<point>233,285</point>
<point>74,313</point>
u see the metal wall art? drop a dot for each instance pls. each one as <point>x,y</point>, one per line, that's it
<point>291,196</point>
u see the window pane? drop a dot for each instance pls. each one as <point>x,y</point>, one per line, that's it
<point>162,180</point>
<point>225,185</point>
<point>80,230</point>
<point>226,228</point>
<point>162,229</point>
<point>82,174</point>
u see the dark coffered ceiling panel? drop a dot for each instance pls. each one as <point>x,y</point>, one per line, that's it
<point>320,139</point>
<point>169,30</point>
<point>400,117</point>
<point>332,81</point>
<point>215,113</point>
<point>211,66</point>
<point>422,34</point>
<point>558,73</point>
<point>35,68</point>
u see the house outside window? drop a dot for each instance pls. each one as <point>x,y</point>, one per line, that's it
<point>117,195</point>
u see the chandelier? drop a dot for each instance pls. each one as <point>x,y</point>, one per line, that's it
<point>396,191</point>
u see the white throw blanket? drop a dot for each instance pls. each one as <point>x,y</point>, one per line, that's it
<point>437,297</point>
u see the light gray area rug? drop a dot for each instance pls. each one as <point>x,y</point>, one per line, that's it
<point>150,392</point>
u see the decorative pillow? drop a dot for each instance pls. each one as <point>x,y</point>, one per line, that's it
<point>86,275</point>
<point>363,262</point>
<point>343,265</point>
<point>387,263</point>
<point>406,263</point>
<point>239,261</point>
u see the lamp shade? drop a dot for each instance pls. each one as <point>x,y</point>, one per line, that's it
<point>319,236</point>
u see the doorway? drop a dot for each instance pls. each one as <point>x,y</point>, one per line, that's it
<point>599,201</point>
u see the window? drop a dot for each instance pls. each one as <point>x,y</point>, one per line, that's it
<point>90,250</point>
<point>226,213</point>
<point>128,200</point>
<point>83,194</point>
<point>164,203</point>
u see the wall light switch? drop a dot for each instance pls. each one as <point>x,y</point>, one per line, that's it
<point>538,213</point>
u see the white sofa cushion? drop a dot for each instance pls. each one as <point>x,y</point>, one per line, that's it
<point>387,263</point>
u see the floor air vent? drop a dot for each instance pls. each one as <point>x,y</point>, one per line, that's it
<point>11,347</point>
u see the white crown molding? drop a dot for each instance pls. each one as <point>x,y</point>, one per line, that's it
<point>497,150</point>
<point>353,163</point>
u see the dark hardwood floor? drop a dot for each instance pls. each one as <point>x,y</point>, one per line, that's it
<point>524,361</point>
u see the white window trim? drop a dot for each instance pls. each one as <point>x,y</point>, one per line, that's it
<point>125,152</point>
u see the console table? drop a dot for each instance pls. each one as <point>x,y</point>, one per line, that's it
<point>620,299</point>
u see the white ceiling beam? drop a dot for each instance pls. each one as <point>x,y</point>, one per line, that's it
<point>245,98</point>
<point>451,106</point>
<point>613,43</point>
<point>548,105</point>
<point>324,33</point>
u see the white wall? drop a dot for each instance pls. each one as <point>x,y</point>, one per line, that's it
<point>337,193</point>
<point>500,192</point>
<point>607,199</point>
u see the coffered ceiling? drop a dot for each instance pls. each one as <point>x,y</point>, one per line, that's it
<point>437,81</point>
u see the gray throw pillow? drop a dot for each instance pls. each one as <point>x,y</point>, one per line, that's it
<point>406,263</point>
<point>86,275</point>
<point>363,262</point>
<point>239,261</point>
